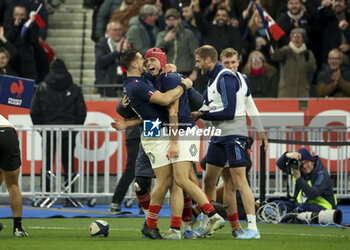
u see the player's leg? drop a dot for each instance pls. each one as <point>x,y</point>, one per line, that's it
<point>229,197</point>
<point>177,206</point>
<point>181,175</point>
<point>241,183</point>
<point>163,183</point>
<point>10,162</point>
<point>143,177</point>
<point>16,202</point>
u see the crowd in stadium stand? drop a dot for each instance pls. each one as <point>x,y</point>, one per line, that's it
<point>310,60</point>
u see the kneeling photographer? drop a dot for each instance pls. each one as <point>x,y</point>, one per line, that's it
<point>313,188</point>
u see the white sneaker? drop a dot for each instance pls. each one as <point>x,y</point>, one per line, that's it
<point>250,234</point>
<point>172,234</point>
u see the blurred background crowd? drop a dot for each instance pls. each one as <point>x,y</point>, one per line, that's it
<point>310,59</point>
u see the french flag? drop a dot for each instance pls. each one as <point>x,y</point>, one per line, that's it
<point>269,23</point>
<point>38,20</point>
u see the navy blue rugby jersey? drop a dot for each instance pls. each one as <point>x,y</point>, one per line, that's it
<point>166,82</point>
<point>139,91</point>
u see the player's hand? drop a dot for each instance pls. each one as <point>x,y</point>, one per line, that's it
<point>263,138</point>
<point>188,82</point>
<point>119,124</point>
<point>125,101</point>
<point>169,67</point>
<point>195,115</point>
<point>173,151</point>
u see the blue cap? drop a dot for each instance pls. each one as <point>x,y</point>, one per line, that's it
<point>305,155</point>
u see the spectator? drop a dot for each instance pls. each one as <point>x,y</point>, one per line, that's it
<point>107,52</point>
<point>95,6</point>
<point>333,19</point>
<point>298,63</point>
<point>127,10</point>
<point>262,76</point>
<point>189,22</point>
<point>58,100</point>
<point>31,60</point>
<point>255,36</point>
<point>31,5</point>
<point>143,31</point>
<point>334,78</point>
<point>179,43</point>
<point>7,50</point>
<point>5,66</point>
<point>295,17</point>
<point>219,34</point>
<point>25,60</point>
<point>103,16</point>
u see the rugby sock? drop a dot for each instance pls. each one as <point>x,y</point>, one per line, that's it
<point>252,222</point>
<point>17,222</point>
<point>204,221</point>
<point>175,222</point>
<point>196,210</point>
<point>152,217</point>
<point>187,212</point>
<point>208,209</point>
<point>144,200</point>
<point>234,221</point>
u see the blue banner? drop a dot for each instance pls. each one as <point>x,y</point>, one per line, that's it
<point>16,91</point>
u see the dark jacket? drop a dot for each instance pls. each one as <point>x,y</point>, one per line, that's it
<point>107,62</point>
<point>58,100</point>
<point>288,24</point>
<point>319,177</point>
<point>342,89</point>
<point>220,37</point>
<point>331,34</point>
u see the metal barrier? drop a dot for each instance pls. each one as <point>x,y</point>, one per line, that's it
<point>99,160</point>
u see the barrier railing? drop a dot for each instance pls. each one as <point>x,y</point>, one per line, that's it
<point>99,157</point>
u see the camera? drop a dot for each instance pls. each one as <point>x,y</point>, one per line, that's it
<point>293,163</point>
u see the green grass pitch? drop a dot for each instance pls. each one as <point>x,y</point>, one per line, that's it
<point>125,233</point>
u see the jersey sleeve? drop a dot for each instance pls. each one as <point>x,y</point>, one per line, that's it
<point>143,91</point>
<point>226,86</point>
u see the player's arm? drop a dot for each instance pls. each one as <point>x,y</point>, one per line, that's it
<point>254,115</point>
<point>227,87</point>
<point>173,110</point>
<point>170,96</point>
<point>119,124</point>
